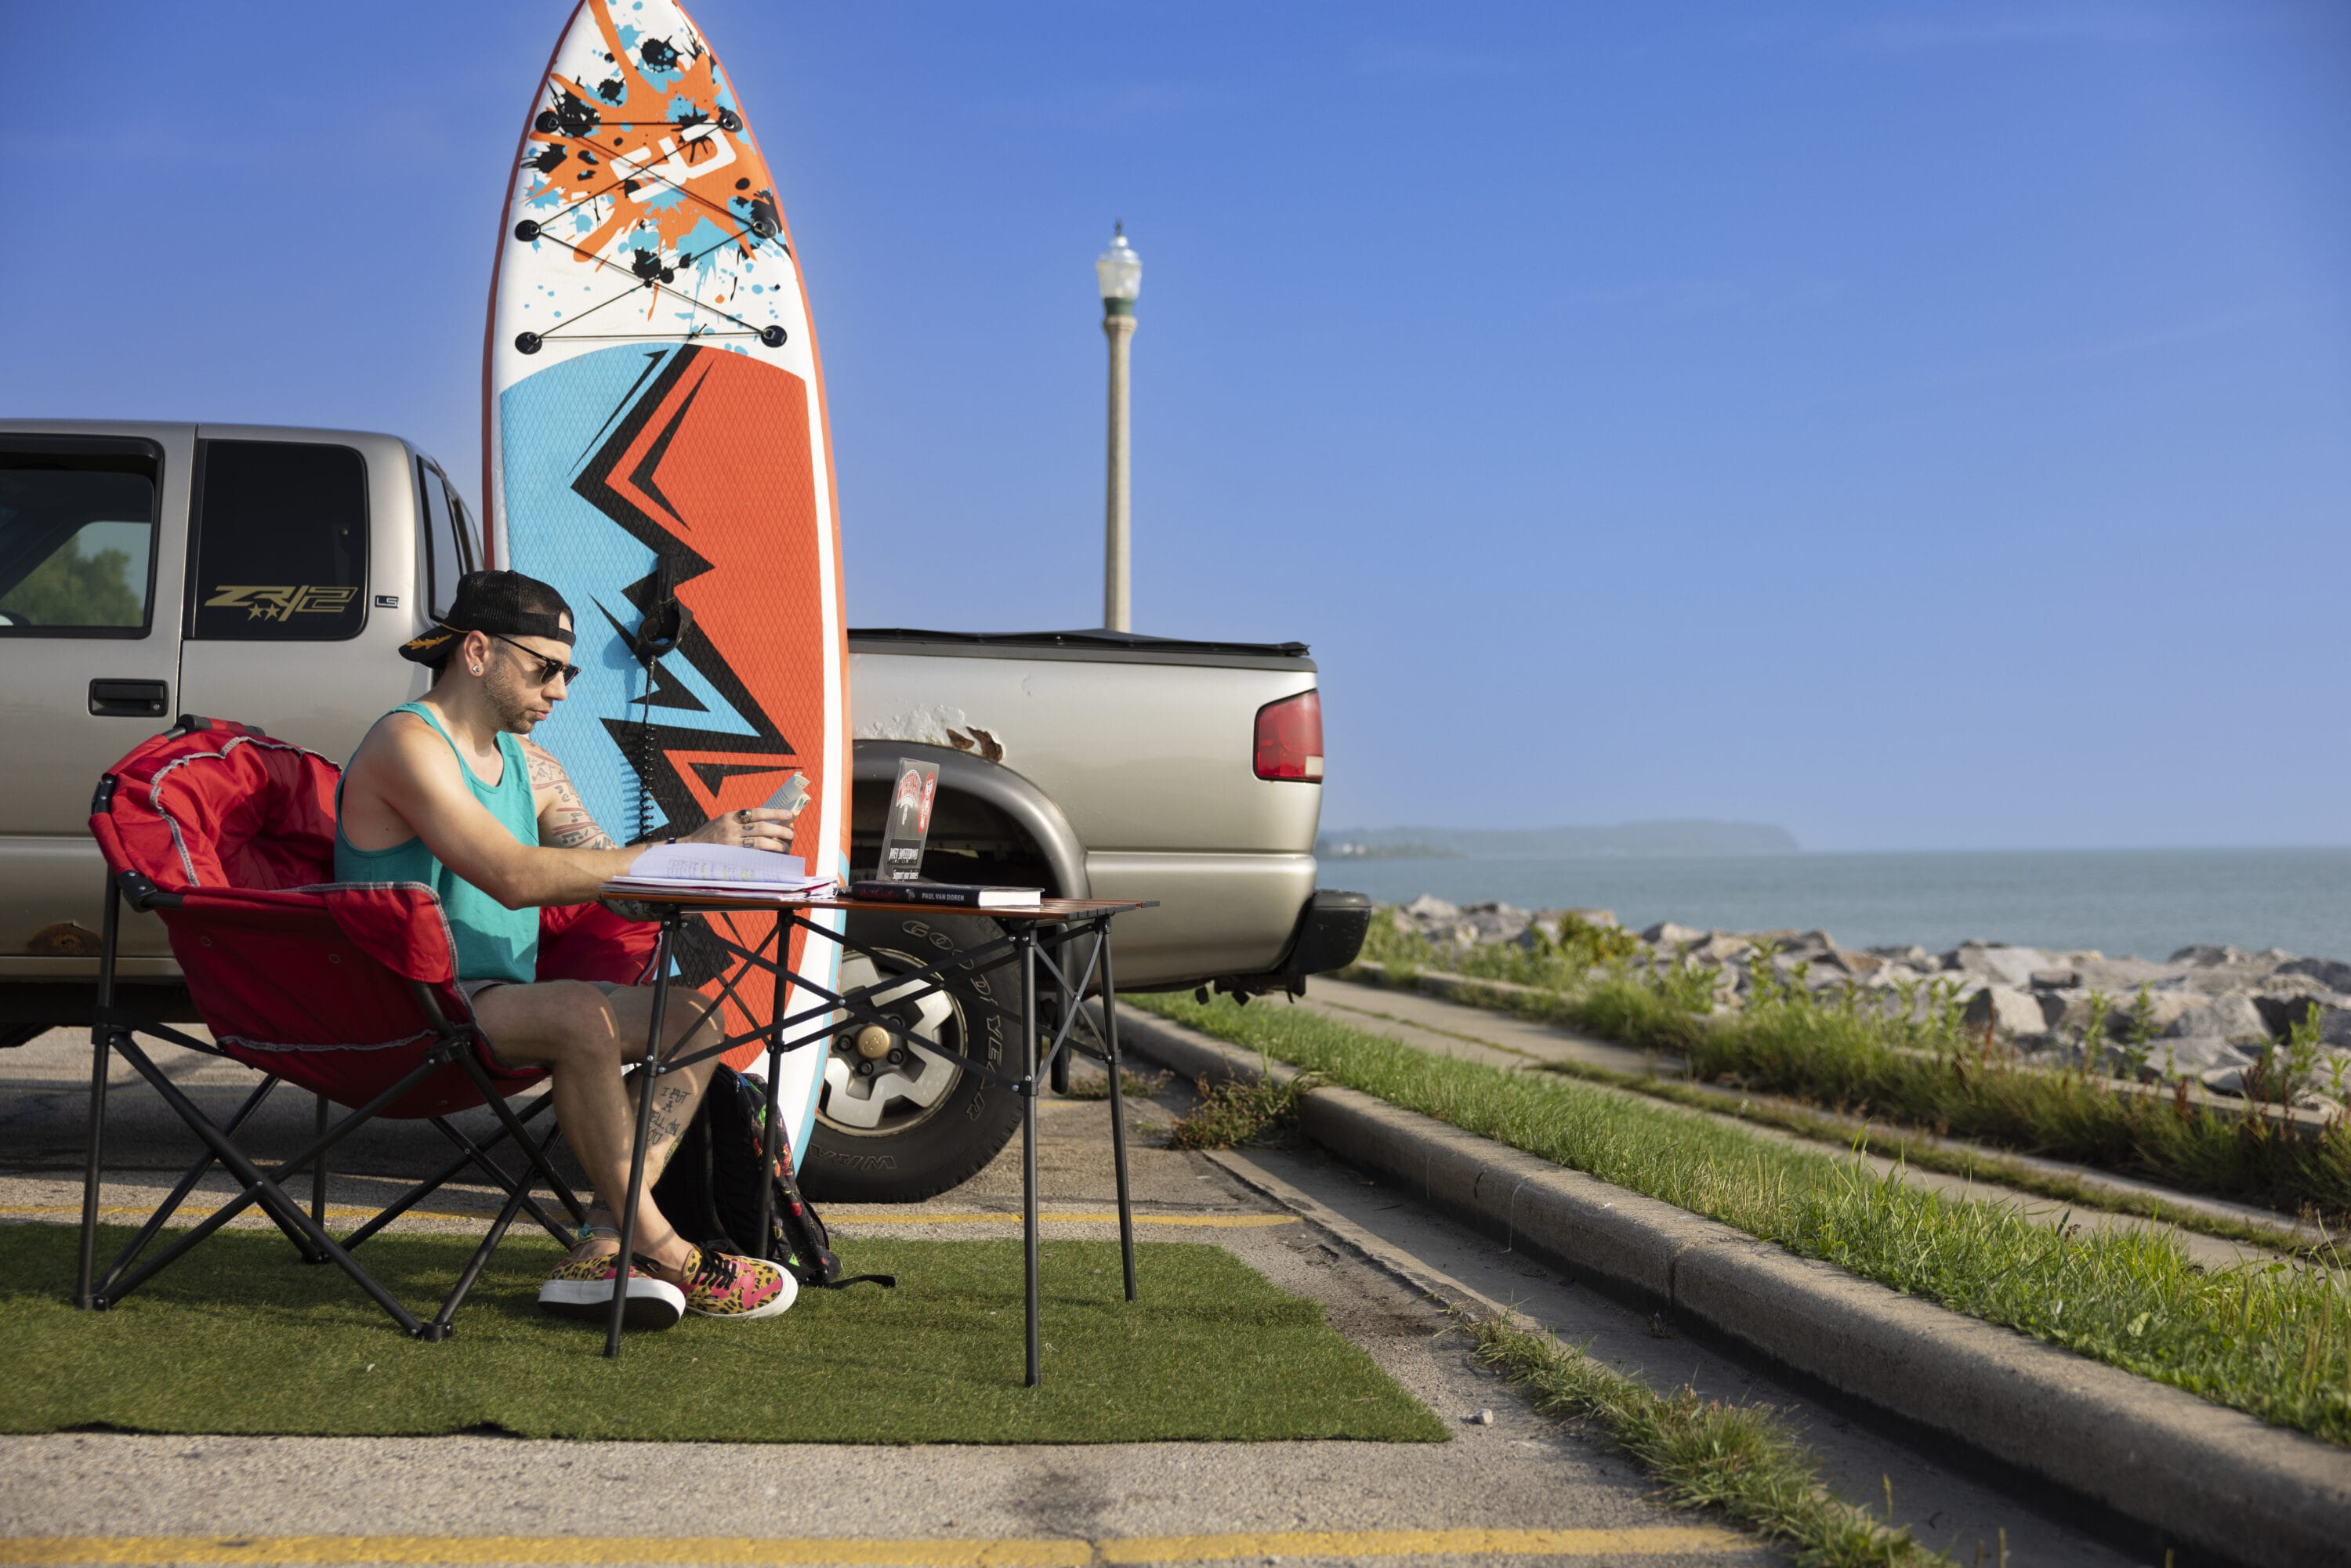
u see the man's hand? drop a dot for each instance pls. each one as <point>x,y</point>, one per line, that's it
<point>752,828</point>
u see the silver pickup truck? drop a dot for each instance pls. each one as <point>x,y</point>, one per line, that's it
<point>267,574</point>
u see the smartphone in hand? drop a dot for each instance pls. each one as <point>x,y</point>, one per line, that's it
<point>792,798</point>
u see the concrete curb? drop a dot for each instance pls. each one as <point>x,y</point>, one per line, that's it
<point>2215,1481</point>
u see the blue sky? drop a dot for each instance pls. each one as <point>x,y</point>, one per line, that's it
<point>1919,425</point>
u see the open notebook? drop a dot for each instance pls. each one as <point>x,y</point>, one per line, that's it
<point>720,869</point>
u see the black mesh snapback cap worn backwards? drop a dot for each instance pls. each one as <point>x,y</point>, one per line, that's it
<point>496,602</point>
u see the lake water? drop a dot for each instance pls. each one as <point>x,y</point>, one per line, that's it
<point>2149,903</point>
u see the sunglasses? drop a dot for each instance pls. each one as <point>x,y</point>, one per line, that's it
<point>549,669</point>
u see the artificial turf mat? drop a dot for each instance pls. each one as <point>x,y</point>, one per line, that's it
<point>239,1337</point>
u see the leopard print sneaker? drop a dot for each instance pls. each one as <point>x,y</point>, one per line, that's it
<point>724,1285</point>
<point>582,1288</point>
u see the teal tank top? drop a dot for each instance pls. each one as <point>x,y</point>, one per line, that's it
<point>493,943</point>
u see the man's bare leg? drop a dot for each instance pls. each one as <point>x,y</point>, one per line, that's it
<point>586,1040</point>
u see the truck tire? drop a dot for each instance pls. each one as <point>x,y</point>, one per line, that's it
<point>902,1125</point>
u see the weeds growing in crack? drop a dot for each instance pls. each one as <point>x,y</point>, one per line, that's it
<point>1235,1111</point>
<point>1738,1460</point>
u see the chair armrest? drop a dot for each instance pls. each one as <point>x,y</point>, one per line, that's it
<point>401,925</point>
<point>590,942</point>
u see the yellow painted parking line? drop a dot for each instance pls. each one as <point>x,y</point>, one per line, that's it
<point>1212,1221</point>
<point>470,1548</point>
<point>834,1221</point>
<point>758,1551</point>
<point>1654,1541</point>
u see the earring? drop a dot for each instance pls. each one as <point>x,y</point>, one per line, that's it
<point>478,669</point>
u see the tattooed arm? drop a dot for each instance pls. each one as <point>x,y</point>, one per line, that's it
<point>563,820</point>
<point>564,823</point>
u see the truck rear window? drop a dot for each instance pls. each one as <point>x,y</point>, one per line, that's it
<point>281,542</point>
<point>77,536</point>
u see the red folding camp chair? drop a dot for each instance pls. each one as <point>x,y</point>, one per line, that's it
<point>345,991</point>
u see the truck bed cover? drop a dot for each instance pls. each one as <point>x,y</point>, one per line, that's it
<point>1092,643</point>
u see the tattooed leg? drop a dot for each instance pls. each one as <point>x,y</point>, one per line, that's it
<point>586,1038</point>
<point>673,1102</point>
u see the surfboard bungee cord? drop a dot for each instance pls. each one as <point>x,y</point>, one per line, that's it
<point>647,170</point>
<point>761,226</point>
<point>576,121</point>
<point>578,117</point>
<point>529,231</point>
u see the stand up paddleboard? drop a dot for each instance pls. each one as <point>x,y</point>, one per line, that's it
<point>655,445</point>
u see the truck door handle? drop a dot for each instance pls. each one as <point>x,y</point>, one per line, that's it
<point>129,699</point>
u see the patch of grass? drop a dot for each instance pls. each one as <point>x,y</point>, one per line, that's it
<point>1736,1459</point>
<point>1905,1057</point>
<point>2273,1340</point>
<point>238,1337</point>
<point>1132,1086</point>
<point>1238,1110</point>
<point>1928,1154</point>
<point>1972,1164</point>
<point>1540,960</point>
<point>1836,1052</point>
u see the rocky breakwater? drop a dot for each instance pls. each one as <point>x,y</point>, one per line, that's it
<point>2269,1023</point>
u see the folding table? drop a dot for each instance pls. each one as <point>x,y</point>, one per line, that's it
<point>1068,937</point>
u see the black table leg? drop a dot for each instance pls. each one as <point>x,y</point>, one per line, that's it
<point>1026,938</point>
<point>647,1076</point>
<point>1059,1074</point>
<point>780,982</point>
<point>1117,1111</point>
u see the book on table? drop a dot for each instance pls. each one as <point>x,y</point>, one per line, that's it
<point>721,870</point>
<point>946,894</point>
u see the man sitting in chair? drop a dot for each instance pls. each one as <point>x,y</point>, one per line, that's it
<point>443,793</point>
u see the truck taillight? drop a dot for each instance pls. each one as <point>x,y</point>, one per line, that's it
<point>1289,738</point>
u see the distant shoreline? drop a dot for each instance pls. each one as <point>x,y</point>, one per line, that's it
<point>1355,851</point>
<point>2151,903</point>
<point>1664,838</point>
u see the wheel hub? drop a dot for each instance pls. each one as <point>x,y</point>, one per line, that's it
<point>878,1082</point>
